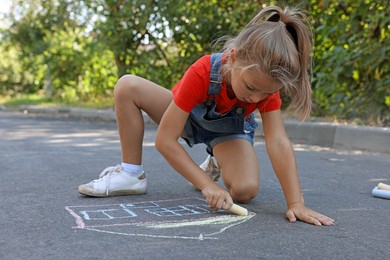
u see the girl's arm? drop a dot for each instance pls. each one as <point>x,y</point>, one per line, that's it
<point>283,161</point>
<point>169,131</point>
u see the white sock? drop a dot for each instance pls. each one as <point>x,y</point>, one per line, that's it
<point>132,170</point>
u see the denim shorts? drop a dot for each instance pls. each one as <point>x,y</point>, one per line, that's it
<point>250,125</point>
<point>207,126</point>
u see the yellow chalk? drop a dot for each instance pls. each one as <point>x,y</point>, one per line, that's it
<point>383,186</point>
<point>238,210</point>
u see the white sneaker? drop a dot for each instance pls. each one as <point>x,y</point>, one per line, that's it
<point>113,181</point>
<point>211,168</point>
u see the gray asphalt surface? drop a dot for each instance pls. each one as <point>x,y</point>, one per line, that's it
<point>45,158</point>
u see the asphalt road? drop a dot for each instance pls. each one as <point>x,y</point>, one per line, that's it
<point>44,159</point>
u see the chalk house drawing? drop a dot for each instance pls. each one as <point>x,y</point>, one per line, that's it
<point>187,218</point>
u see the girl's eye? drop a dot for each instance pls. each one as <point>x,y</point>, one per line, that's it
<point>250,88</point>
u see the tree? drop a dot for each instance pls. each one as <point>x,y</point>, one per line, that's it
<point>56,50</point>
<point>351,76</point>
<point>159,40</point>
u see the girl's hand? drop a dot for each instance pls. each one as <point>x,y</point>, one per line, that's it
<point>216,197</point>
<point>299,211</point>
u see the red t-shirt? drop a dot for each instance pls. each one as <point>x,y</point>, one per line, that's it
<point>193,89</point>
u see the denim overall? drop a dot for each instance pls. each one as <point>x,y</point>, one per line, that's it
<point>205,125</point>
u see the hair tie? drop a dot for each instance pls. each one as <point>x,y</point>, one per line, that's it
<point>290,29</point>
<point>293,33</point>
<point>274,18</point>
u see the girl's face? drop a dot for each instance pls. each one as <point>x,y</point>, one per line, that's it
<point>252,86</point>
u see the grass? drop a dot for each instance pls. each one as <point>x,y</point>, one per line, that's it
<point>39,100</point>
<point>32,99</point>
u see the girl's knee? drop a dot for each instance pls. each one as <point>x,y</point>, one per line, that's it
<point>124,82</point>
<point>125,87</point>
<point>243,192</point>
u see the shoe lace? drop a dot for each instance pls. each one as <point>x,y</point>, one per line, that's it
<point>107,173</point>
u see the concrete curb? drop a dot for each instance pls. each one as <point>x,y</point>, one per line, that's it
<point>374,139</point>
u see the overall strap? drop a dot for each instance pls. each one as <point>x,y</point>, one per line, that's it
<point>215,74</point>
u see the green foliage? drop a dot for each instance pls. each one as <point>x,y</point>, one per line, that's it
<point>76,50</point>
<point>197,24</point>
<point>52,52</point>
<point>159,40</point>
<point>351,76</point>
<point>76,70</point>
<point>11,73</point>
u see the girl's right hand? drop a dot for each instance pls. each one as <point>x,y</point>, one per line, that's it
<point>216,197</point>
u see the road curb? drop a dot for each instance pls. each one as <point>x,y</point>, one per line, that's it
<point>374,139</point>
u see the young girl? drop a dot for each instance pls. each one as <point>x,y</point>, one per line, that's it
<point>212,104</point>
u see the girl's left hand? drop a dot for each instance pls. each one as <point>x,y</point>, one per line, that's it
<point>299,211</point>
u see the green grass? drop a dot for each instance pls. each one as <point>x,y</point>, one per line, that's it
<point>32,99</point>
<point>38,100</point>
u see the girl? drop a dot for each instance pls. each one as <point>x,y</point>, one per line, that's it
<point>212,104</point>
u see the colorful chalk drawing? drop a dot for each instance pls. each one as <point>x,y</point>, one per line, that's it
<point>187,218</point>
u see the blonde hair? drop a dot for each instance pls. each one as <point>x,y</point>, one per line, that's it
<point>277,42</point>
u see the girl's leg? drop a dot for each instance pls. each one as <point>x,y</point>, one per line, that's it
<point>240,168</point>
<point>133,94</point>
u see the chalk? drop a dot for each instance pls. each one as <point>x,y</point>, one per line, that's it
<point>383,186</point>
<point>385,194</point>
<point>241,211</point>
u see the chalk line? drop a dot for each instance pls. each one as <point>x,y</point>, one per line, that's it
<point>139,202</point>
<point>187,222</point>
<point>79,221</point>
<point>200,237</point>
<point>224,219</point>
<point>246,218</point>
<point>166,225</point>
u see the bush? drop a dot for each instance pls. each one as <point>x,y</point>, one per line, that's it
<point>351,74</point>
